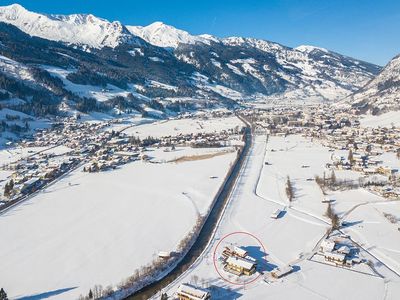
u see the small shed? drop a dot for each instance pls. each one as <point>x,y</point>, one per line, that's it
<point>164,254</point>
<point>280,272</point>
<point>276,214</point>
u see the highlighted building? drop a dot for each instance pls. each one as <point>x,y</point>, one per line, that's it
<point>240,266</point>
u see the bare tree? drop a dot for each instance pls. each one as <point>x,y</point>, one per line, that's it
<point>335,221</point>
<point>289,189</point>
<point>351,157</point>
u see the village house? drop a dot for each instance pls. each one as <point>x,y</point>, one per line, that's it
<point>239,266</point>
<point>30,185</point>
<point>337,258</point>
<point>344,250</point>
<point>190,292</point>
<point>327,246</point>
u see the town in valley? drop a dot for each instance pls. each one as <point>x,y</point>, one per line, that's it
<point>144,162</point>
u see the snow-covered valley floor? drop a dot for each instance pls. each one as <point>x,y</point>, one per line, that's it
<point>183,126</point>
<point>292,238</point>
<point>97,228</point>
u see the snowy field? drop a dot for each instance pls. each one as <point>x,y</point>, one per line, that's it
<point>292,238</point>
<point>97,228</point>
<point>14,154</point>
<point>184,126</point>
<point>384,120</point>
<point>375,231</point>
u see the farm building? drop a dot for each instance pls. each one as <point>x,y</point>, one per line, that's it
<point>190,292</point>
<point>280,272</point>
<point>327,246</point>
<point>236,251</point>
<point>30,185</point>
<point>276,214</point>
<point>164,254</point>
<point>240,266</point>
<point>337,258</point>
<point>344,250</point>
<point>240,252</point>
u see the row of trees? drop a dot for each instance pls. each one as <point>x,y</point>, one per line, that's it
<point>97,292</point>
<point>331,182</point>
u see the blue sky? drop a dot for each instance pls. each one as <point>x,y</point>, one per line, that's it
<point>364,29</point>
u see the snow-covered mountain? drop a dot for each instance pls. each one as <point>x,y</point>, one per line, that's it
<point>383,92</point>
<point>278,72</point>
<point>89,63</point>
<point>73,29</point>
<point>162,35</point>
<point>305,72</point>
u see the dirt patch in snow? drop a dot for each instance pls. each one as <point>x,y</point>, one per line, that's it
<point>199,157</point>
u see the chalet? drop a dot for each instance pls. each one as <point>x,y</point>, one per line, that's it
<point>344,250</point>
<point>337,258</point>
<point>190,292</point>
<point>384,171</point>
<point>236,252</point>
<point>240,266</point>
<point>240,252</point>
<point>30,186</point>
<point>369,171</point>
<point>327,246</point>
<point>391,192</point>
<point>280,272</point>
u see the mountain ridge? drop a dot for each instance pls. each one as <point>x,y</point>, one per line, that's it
<point>87,57</point>
<point>382,93</point>
<point>84,29</point>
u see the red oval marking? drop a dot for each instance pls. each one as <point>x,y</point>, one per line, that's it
<point>215,260</point>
